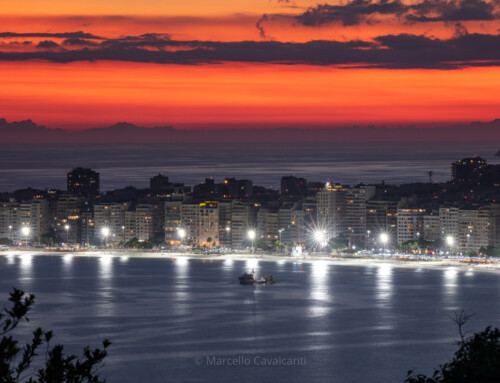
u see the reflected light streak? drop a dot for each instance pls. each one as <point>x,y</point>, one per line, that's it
<point>181,265</point>
<point>320,294</point>
<point>450,276</point>
<point>182,261</point>
<point>384,283</point>
<point>106,266</point>
<point>469,273</point>
<point>67,262</point>
<point>106,305</point>
<point>181,303</point>
<point>26,265</point>
<point>251,264</point>
<point>11,259</point>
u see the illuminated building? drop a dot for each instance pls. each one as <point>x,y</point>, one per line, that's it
<point>355,212</point>
<point>173,220</point>
<point>112,216</point>
<point>268,226</point>
<point>331,209</point>
<point>473,230</point>
<point>410,224</point>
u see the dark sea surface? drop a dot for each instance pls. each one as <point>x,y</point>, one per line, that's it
<point>169,319</point>
<point>265,164</point>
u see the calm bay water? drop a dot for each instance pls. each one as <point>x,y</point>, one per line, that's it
<point>124,165</point>
<point>164,316</point>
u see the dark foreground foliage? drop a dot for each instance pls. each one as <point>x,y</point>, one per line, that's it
<point>33,363</point>
<point>477,360</point>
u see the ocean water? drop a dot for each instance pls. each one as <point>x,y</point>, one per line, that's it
<point>265,164</point>
<point>173,319</point>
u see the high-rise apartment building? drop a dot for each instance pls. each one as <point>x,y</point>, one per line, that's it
<point>331,210</point>
<point>83,182</point>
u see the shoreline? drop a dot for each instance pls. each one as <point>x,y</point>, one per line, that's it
<point>436,264</point>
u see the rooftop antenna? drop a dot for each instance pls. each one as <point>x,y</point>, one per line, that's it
<point>430,173</point>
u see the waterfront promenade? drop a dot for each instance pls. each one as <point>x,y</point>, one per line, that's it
<point>396,260</point>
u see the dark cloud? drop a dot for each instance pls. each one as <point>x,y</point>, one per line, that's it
<point>157,40</point>
<point>460,30</point>
<point>47,44</point>
<point>287,3</point>
<point>390,51</point>
<point>64,35</point>
<point>75,41</point>
<point>355,12</point>
<point>262,31</point>
<point>407,42</point>
<point>455,10</point>
<point>351,13</point>
<point>20,43</point>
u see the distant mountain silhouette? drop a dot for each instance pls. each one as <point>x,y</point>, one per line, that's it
<point>28,132</point>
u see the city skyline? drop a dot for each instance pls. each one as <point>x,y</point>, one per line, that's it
<point>254,64</point>
<point>461,213</point>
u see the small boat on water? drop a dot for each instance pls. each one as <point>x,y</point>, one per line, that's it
<point>250,279</point>
<point>247,278</point>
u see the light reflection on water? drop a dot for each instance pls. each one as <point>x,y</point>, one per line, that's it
<point>252,264</point>
<point>181,288</point>
<point>352,324</point>
<point>320,289</point>
<point>11,259</point>
<point>68,262</point>
<point>450,276</point>
<point>26,265</point>
<point>106,266</point>
<point>384,284</point>
<point>469,273</point>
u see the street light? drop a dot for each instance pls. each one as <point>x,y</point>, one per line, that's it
<point>320,238</point>
<point>105,233</point>
<point>182,234</point>
<point>25,230</point>
<point>123,233</point>
<point>384,238</point>
<point>251,236</point>
<point>279,234</point>
<point>450,242</point>
<point>66,227</point>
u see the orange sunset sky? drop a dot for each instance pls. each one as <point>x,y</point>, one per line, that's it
<point>249,63</point>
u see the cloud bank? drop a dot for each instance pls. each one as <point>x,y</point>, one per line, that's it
<point>387,51</point>
<point>355,12</point>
